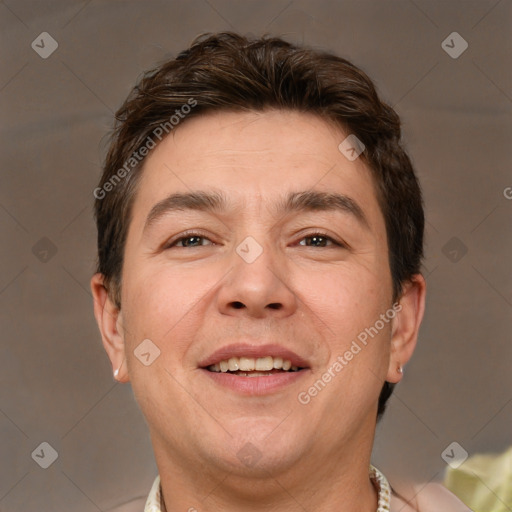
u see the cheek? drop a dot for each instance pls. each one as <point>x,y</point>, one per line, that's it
<point>160,300</point>
<point>347,300</point>
<point>346,386</point>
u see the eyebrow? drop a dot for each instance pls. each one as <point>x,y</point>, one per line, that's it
<point>216,202</point>
<point>323,201</point>
<point>199,201</point>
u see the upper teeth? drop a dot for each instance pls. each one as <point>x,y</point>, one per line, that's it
<point>247,364</point>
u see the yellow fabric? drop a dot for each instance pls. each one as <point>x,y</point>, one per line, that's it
<point>483,482</point>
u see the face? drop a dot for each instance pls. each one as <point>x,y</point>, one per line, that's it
<point>255,243</point>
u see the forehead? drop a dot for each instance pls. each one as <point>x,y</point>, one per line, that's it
<point>255,158</point>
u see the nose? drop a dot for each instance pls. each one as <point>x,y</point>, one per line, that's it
<point>257,289</point>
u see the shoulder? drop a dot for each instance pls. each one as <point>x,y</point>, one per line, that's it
<point>429,498</point>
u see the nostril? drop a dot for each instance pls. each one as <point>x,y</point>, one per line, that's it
<point>241,305</point>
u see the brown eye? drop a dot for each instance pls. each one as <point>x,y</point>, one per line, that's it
<point>191,240</point>
<point>319,240</point>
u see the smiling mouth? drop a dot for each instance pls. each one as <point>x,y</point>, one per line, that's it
<point>254,367</point>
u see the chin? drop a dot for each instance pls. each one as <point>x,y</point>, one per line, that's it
<point>259,446</point>
<point>251,461</point>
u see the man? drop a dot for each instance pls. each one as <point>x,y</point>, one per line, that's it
<point>260,236</point>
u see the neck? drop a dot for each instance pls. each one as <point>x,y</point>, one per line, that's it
<point>316,481</point>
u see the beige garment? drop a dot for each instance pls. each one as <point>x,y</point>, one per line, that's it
<point>429,498</point>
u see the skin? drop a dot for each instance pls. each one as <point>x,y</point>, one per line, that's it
<point>313,297</point>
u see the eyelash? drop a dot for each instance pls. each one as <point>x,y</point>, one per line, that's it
<point>185,236</point>
<point>194,234</point>
<point>325,236</point>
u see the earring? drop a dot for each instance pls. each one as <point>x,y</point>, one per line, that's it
<point>116,372</point>
<point>400,369</point>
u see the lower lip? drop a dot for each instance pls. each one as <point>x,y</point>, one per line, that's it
<point>262,385</point>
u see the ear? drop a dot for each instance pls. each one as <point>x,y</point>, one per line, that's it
<point>109,319</point>
<point>406,325</point>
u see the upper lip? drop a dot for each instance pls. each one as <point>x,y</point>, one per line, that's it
<point>251,350</point>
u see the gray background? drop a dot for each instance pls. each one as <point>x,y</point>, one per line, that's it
<point>55,379</point>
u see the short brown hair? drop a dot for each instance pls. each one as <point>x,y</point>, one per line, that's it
<point>229,72</point>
